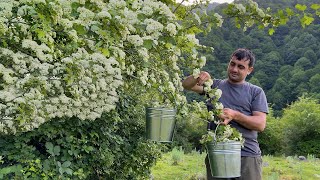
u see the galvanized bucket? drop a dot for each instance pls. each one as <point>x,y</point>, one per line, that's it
<point>225,159</point>
<point>160,123</point>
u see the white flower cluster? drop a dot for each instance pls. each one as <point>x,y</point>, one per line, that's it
<point>171,28</point>
<point>219,18</point>
<point>34,92</point>
<point>136,40</point>
<point>241,8</point>
<point>74,62</point>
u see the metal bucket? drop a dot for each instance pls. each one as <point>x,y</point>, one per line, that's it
<point>160,123</point>
<point>225,159</point>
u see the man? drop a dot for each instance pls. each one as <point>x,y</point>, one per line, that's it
<point>245,108</point>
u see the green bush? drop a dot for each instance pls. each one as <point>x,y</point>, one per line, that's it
<point>189,131</point>
<point>301,130</point>
<point>270,140</point>
<point>106,148</point>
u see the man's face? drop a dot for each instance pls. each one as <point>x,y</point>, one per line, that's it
<point>238,70</point>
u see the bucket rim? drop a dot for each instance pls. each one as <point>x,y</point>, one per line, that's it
<point>161,108</point>
<point>214,143</point>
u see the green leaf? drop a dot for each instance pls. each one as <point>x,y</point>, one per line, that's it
<point>100,43</point>
<point>66,164</point>
<point>238,25</point>
<point>41,33</point>
<point>271,31</point>
<point>56,150</point>
<point>290,12</point>
<point>68,171</point>
<point>80,29</point>
<point>168,45</point>
<point>49,147</point>
<point>306,20</point>
<point>46,165</point>
<point>61,171</point>
<point>148,43</point>
<point>315,6</point>
<point>301,7</point>
<point>59,163</point>
<point>95,28</point>
<point>105,52</point>
<point>69,138</point>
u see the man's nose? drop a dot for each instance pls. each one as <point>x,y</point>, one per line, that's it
<point>234,68</point>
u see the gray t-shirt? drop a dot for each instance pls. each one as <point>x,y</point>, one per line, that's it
<point>244,98</point>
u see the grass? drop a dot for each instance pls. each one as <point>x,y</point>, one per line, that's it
<point>187,167</point>
<point>176,165</point>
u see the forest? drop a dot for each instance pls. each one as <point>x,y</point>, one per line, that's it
<point>288,62</point>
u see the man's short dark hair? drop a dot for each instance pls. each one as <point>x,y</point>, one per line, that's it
<point>244,54</point>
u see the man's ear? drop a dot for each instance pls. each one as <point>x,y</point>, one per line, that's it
<point>250,70</point>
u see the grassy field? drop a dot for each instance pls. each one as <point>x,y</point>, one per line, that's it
<point>176,165</point>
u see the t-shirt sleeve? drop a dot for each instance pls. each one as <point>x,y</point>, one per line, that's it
<point>259,102</point>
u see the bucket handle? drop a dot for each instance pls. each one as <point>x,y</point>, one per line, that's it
<point>215,133</point>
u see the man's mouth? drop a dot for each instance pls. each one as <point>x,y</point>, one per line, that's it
<point>233,74</point>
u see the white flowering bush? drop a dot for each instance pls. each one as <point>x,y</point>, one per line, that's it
<point>66,58</point>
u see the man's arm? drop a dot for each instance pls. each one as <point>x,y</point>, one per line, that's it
<point>196,85</point>
<point>255,122</point>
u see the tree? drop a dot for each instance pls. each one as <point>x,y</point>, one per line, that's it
<point>314,83</point>
<point>303,64</point>
<point>309,54</point>
<point>75,79</point>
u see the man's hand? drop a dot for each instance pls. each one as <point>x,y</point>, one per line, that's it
<point>203,77</point>
<point>196,85</point>
<point>257,121</point>
<point>227,115</point>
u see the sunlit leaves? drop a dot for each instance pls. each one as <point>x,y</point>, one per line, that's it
<point>265,18</point>
<point>306,20</point>
<point>271,31</point>
<point>315,6</point>
<point>301,7</point>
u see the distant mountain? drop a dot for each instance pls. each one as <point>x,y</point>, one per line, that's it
<point>212,6</point>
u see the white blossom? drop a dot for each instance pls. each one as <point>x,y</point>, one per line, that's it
<point>196,73</point>
<point>136,40</point>
<point>171,28</point>
<point>192,38</point>
<point>241,8</point>
<point>219,106</point>
<point>218,93</point>
<point>153,26</point>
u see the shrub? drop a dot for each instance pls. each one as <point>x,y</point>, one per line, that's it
<point>301,127</point>
<point>177,156</point>
<point>271,140</point>
<point>72,148</point>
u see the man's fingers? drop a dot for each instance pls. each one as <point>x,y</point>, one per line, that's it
<point>225,122</point>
